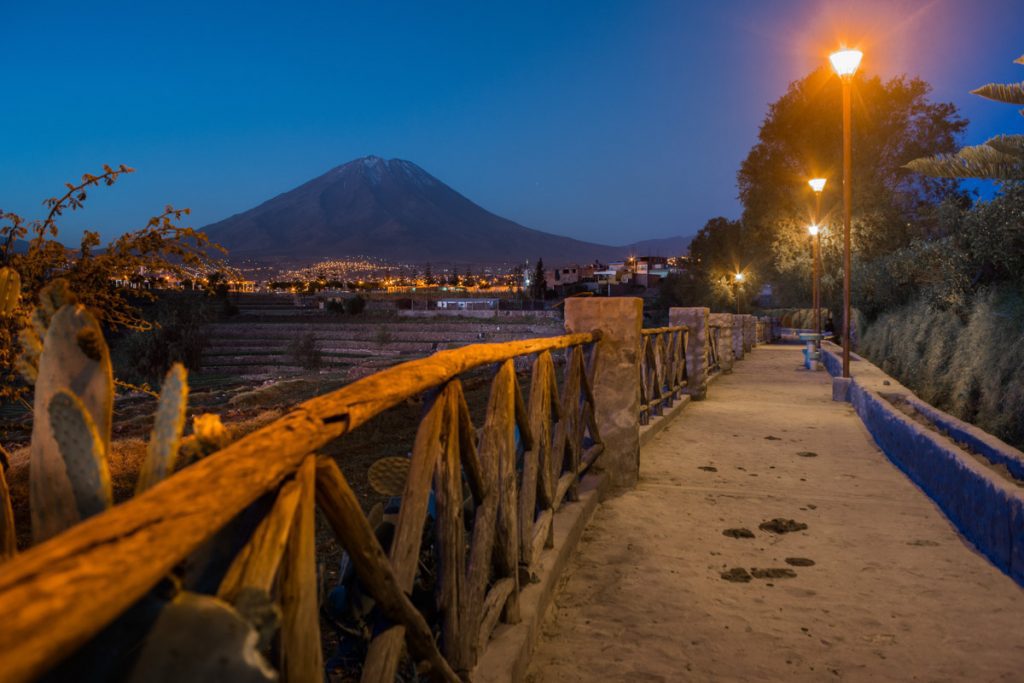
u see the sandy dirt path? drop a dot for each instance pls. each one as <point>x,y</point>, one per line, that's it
<point>894,594</point>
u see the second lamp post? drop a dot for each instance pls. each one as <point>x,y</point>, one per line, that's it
<point>818,185</point>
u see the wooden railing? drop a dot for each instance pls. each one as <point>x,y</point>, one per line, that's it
<point>495,491</point>
<point>662,369</point>
<point>714,348</point>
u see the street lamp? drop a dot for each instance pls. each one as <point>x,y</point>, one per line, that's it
<point>845,63</point>
<point>818,185</point>
<point>737,280</point>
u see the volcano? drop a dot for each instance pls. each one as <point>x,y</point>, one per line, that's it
<point>394,210</point>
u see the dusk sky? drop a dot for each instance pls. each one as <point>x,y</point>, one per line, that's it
<point>607,121</point>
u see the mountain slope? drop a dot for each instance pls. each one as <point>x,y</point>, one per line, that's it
<point>394,210</point>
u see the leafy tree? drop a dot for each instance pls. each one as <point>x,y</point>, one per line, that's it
<point>720,250</point>
<point>538,284</point>
<point>801,137</point>
<point>161,247</point>
<point>143,357</point>
<point>355,305</point>
<point>1000,158</point>
<point>428,276</point>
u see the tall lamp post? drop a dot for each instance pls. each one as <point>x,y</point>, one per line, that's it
<point>845,62</point>
<point>818,185</point>
<point>737,280</point>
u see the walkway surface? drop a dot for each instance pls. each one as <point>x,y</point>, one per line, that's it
<point>894,592</point>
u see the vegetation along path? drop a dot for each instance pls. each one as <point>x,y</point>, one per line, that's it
<point>677,580</point>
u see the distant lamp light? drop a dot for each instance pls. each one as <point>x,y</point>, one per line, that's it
<point>738,277</point>
<point>845,62</point>
<point>817,184</point>
<point>812,229</point>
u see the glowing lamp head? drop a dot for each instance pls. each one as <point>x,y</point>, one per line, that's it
<point>845,62</point>
<point>812,229</point>
<point>817,184</point>
<point>738,277</point>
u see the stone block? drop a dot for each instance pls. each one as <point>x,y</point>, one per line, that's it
<point>841,389</point>
<point>696,320</point>
<point>737,337</point>
<point>616,379</point>
<point>723,323</point>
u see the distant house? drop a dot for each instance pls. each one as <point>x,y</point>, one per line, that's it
<point>568,275</point>
<point>467,304</point>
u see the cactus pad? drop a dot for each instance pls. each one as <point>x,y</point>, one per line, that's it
<point>65,367</point>
<point>387,476</point>
<point>168,424</point>
<point>83,451</point>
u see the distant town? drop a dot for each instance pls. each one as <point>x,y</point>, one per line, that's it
<point>633,275</point>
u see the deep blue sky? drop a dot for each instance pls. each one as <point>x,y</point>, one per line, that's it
<point>609,121</point>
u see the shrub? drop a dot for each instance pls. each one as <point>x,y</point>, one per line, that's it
<point>304,351</point>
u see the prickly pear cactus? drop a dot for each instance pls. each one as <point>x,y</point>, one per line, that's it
<point>83,451</point>
<point>169,422</point>
<point>74,358</point>
<point>10,290</point>
<point>200,638</point>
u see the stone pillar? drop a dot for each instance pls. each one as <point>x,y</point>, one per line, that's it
<point>616,379</point>
<point>737,337</point>
<point>696,319</point>
<point>748,332</point>
<point>724,323</point>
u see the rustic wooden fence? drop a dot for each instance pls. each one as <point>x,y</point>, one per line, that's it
<point>477,505</point>
<point>495,493</point>
<point>714,348</point>
<point>662,369</point>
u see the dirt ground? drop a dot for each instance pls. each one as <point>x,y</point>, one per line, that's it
<point>878,587</point>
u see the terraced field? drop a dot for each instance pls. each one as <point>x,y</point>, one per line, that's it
<point>251,346</point>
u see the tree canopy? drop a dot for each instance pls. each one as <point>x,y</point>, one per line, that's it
<point>999,158</point>
<point>893,122</point>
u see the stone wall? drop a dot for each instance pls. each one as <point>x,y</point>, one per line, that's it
<point>696,320</point>
<point>616,379</point>
<point>972,476</point>
<point>724,321</point>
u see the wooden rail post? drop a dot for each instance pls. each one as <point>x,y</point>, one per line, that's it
<point>696,319</point>
<point>725,349</point>
<point>616,390</point>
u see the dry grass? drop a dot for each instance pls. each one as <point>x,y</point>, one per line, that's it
<point>971,367</point>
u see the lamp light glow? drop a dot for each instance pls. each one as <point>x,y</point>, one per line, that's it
<point>817,184</point>
<point>813,229</point>
<point>845,62</point>
<point>738,277</point>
